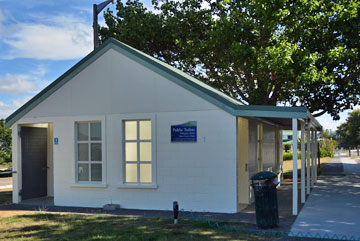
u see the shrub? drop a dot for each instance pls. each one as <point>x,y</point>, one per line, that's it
<point>326,153</point>
<point>327,147</point>
<point>5,157</point>
<point>289,156</point>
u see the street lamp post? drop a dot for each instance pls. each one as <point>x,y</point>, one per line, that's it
<point>96,10</point>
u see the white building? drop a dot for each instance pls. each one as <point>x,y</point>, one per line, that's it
<point>122,127</point>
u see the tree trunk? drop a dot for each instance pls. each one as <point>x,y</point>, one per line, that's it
<point>349,152</point>
<point>357,148</point>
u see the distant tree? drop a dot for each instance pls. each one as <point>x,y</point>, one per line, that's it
<point>353,121</point>
<point>325,134</point>
<point>260,52</point>
<point>5,142</point>
<point>348,132</point>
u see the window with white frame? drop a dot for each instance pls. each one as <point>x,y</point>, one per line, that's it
<point>138,151</point>
<point>88,151</point>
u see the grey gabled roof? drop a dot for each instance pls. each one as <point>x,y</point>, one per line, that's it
<point>188,82</point>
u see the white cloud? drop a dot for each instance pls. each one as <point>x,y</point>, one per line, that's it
<point>2,19</point>
<point>8,109</point>
<point>88,10</point>
<point>62,37</point>
<point>16,84</point>
<point>328,123</point>
<point>20,84</point>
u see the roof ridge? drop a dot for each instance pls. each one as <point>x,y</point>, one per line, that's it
<point>192,84</point>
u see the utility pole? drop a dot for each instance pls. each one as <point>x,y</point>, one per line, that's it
<point>96,10</point>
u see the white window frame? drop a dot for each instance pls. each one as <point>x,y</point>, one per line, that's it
<point>137,141</point>
<point>139,185</point>
<point>96,184</point>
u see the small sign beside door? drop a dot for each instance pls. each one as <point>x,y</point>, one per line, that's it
<point>185,132</point>
<point>56,141</point>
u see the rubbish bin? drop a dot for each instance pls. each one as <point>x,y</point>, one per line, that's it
<point>266,205</point>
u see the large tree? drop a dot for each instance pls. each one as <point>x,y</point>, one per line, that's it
<point>260,52</point>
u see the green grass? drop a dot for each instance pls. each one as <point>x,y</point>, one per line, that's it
<point>355,157</point>
<point>47,226</point>
<point>287,167</point>
<point>5,197</point>
<point>5,165</point>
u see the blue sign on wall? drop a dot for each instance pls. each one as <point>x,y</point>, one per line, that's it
<point>184,132</point>
<point>56,141</point>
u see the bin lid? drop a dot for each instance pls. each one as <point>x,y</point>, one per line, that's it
<point>263,175</point>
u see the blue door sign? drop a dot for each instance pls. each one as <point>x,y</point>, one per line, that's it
<point>186,132</point>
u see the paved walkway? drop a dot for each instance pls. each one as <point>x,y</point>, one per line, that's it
<point>333,206</point>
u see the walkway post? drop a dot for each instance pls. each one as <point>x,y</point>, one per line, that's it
<point>308,159</point>
<point>295,167</point>
<point>315,154</point>
<point>302,162</point>
<point>312,159</point>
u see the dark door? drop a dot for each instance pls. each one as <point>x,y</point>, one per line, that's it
<point>34,162</point>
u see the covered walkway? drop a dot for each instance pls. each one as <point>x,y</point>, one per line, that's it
<point>333,206</point>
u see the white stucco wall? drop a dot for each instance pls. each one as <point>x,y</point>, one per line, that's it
<point>200,176</point>
<point>115,84</point>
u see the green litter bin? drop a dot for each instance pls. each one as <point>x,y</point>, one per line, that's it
<point>266,204</point>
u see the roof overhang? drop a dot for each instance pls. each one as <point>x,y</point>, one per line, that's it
<point>278,115</point>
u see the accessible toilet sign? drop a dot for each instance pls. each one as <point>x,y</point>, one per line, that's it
<point>186,132</point>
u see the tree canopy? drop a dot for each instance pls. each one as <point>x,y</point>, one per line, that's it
<point>5,142</point>
<point>260,52</point>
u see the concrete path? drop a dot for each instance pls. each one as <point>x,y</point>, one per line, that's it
<point>333,207</point>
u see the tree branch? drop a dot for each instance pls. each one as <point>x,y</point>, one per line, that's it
<point>319,114</point>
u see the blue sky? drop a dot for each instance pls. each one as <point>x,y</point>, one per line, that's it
<point>41,39</point>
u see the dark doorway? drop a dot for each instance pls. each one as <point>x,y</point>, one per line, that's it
<point>34,162</point>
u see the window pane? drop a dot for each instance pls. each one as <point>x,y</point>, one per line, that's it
<point>83,172</point>
<point>130,151</point>
<point>131,173</point>
<point>82,129</point>
<point>145,130</point>
<point>130,130</point>
<point>145,173</point>
<point>83,152</point>
<point>96,152</point>
<point>95,131</point>
<point>96,172</point>
<point>145,151</point>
